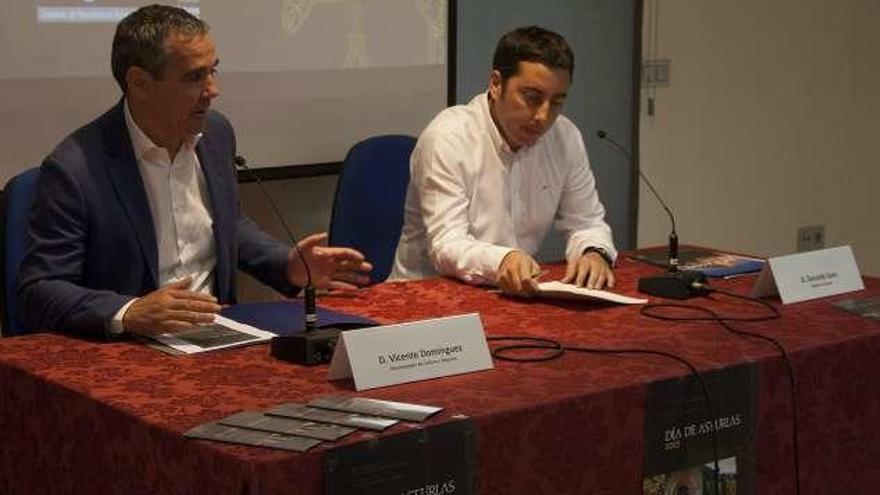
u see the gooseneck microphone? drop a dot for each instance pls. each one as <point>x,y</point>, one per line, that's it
<point>310,305</point>
<point>675,284</point>
<point>673,237</point>
<point>314,345</point>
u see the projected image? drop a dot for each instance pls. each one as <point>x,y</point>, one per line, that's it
<point>71,38</point>
<point>94,11</point>
<point>295,13</point>
<point>301,79</point>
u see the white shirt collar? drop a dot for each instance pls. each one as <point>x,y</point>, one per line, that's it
<point>495,135</point>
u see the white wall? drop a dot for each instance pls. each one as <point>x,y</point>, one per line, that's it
<point>770,123</point>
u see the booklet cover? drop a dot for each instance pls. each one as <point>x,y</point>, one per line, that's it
<point>222,334</point>
<point>302,411</point>
<point>288,426</point>
<point>388,409</point>
<point>711,263</point>
<point>244,436</point>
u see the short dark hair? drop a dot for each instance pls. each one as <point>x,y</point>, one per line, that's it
<point>532,44</point>
<point>140,39</point>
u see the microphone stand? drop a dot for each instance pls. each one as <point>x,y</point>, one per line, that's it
<point>313,345</point>
<point>675,283</point>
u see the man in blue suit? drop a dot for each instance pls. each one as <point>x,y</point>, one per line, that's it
<point>136,226</point>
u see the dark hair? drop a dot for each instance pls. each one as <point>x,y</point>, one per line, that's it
<point>140,39</point>
<point>532,44</point>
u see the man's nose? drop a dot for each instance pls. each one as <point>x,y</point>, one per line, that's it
<point>212,89</point>
<point>544,112</point>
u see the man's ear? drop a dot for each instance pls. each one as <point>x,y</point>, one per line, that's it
<point>138,81</point>
<point>495,85</point>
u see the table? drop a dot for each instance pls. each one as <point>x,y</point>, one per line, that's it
<point>82,416</point>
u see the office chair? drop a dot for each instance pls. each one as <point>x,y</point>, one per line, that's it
<point>17,198</point>
<point>368,206</point>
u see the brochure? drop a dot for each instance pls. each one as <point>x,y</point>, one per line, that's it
<point>711,263</point>
<point>231,434</point>
<point>222,334</point>
<point>866,307</point>
<point>288,426</point>
<point>388,409</point>
<point>301,411</point>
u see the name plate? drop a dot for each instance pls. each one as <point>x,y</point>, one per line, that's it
<point>408,352</point>
<point>804,276</point>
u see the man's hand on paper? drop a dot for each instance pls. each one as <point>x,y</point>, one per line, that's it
<point>517,275</point>
<point>590,271</point>
<point>170,308</point>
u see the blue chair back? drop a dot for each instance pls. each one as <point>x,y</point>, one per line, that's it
<point>18,197</point>
<point>368,207</point>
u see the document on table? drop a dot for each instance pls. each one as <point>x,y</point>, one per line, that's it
<point>559,290</point>
<point>222,334</point>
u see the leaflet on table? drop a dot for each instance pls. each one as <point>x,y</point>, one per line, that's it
<point>231,434</point>
<point>711,263</point>
<point>299,427</point>
<point>559,290</point>
<point>354,420</point>
<point>866,307</point>
<point>222,334</point>
<point>376,407</point>
<point>260,421</point>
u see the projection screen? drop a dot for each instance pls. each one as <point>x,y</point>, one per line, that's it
<point>301,80</point>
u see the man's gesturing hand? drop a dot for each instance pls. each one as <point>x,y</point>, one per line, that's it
<point>331,267</point>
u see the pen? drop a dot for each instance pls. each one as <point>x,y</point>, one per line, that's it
<point>540,274</point>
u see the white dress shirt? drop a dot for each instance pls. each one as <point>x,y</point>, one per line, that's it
<point>177,194</point>
<point>471,200</point>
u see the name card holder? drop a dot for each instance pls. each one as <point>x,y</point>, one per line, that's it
<point>805,276</point>
<point>407,352</point>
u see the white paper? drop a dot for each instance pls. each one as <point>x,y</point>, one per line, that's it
<point>559,290</point>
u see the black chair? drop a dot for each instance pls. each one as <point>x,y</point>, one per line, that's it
<point>368,207</point>
<point>16,202</point>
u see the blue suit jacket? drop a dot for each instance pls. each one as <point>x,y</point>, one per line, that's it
<point>92,241</point>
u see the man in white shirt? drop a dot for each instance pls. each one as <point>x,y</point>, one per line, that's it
<point>489,178</point>
<point>136,225</point>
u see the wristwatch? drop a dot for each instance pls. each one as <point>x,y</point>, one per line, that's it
<point>601,252</point>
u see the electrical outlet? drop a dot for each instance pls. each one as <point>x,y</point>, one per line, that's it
<point>810,238</point>
<point>655,72</point>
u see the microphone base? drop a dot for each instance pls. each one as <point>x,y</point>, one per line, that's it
<point>673,285</point>
<point>307,348</point>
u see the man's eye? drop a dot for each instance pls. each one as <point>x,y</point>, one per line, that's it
<point>533,97</point>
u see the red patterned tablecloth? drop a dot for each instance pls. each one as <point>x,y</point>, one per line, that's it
<point>93,417</point>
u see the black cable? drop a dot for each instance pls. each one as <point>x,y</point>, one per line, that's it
<point>724,321</point>
<point>556,350</point>
<point>502,352</point>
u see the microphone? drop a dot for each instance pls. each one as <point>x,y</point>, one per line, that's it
<point>313,345</point>
<point>674,284</point>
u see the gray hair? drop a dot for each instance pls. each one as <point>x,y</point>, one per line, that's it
<point>140,39</point>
